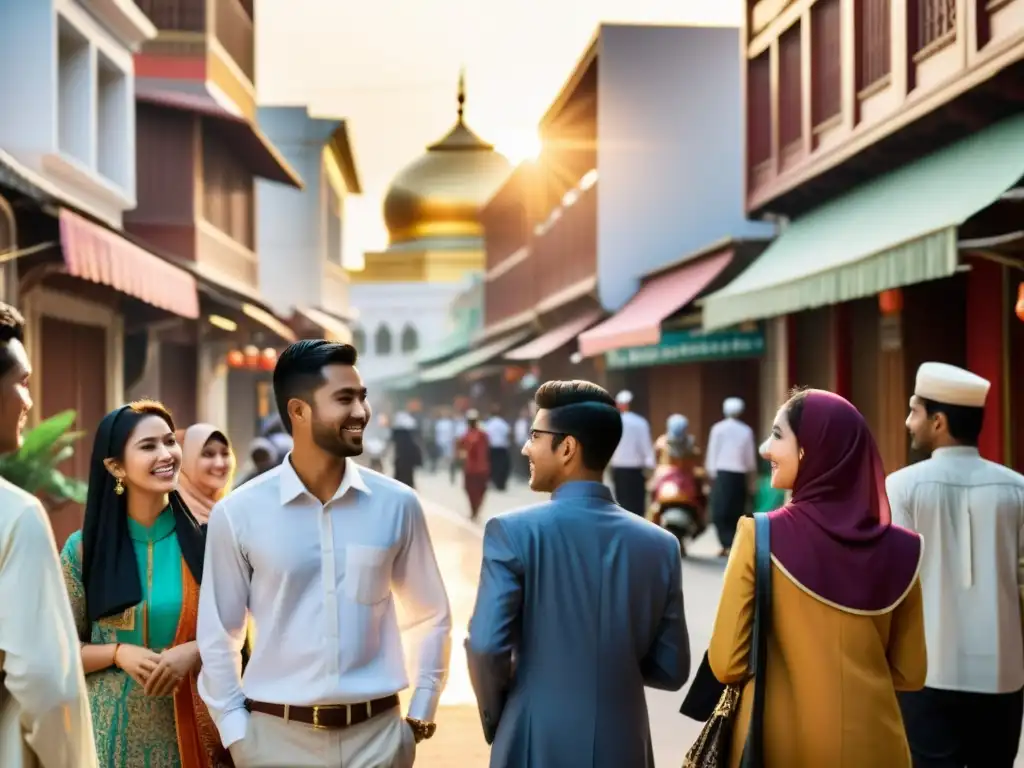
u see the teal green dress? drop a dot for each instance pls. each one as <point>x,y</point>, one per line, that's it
<point>133,730</point>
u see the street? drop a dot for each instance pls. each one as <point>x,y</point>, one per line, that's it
<point>459,741</point>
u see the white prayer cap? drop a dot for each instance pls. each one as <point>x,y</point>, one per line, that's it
<point>948,384</point>
<point>625,397</point>
<point>732,406</point>
<point>472,415</point>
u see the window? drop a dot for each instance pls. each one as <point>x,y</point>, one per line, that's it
<point>790,85</point>
<point>410,340</point>
<point>759,110</point>
<point>227,189</point>
<point>359,340</point>
<point>827,58</point>
<point>382,341</point>
<point>873,42</point>
<point>935,24</point>
<point>75,129</point>
<point>113,102</point>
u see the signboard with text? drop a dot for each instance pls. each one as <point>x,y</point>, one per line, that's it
<point>690,346</point>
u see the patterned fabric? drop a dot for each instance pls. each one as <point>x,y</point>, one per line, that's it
<point>711,749</point>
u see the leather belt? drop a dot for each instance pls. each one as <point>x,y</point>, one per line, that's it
<point>327,716</point>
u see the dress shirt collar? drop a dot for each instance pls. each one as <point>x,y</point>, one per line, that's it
<point>956,452</point>
<point>582,489</point>
<point>292,486</point>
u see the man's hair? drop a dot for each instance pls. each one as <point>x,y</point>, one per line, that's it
<point>964,422</point>
<point>300,371</point>
<point>12,328</point>
<point>587,412</point>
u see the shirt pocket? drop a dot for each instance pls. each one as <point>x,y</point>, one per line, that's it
<point>367,573</point>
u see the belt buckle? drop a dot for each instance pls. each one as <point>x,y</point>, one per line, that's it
<point>316,715</point>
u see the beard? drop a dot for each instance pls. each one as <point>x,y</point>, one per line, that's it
<point>334,441</point>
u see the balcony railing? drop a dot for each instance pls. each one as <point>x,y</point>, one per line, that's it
<point>936,24</point>
<point>175,15</point>
<point>234,29</point>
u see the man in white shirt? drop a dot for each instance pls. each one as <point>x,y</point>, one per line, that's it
<point>633,457</point>
<point>317,549</point>
<point>44,705</point>
<point>520,434</point>
<point>731,466</point>
<point>498,435</point>
<point>970,513</point>
<point>444,435</point>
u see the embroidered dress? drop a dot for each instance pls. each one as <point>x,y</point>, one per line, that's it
<point>134,730</point>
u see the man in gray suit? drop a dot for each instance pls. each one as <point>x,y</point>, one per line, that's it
<point>580,604</point>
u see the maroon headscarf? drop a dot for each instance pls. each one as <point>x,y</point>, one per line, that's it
<point>835,537</point>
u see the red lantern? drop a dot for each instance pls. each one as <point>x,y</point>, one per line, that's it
<point>268,359</point>
<point>236,359</point>
<point>890,302</point>
<point>252,355</point>
<point>1020,302</point>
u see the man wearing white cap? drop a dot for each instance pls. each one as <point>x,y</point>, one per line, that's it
<point>731,465</point>
<point>970,513</point>
<point>634,456</point>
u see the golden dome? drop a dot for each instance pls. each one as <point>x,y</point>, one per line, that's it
<point>438,196</point>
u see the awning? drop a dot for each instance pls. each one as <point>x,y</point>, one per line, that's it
<point>471,359</point>
<point>268,321</point>
<point>896,230</point>
<point>259,153</point>
<point>557,337</point>
<point>99,255</point>
<point>334,327</point>
<point>638,323</point>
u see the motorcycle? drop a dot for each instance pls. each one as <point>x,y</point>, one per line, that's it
<point>678,501</point>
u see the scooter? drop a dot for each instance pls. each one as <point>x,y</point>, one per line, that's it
<point>678,503</point>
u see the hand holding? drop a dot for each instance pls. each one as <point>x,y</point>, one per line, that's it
<point>174,664</point>
<point>137,661</point>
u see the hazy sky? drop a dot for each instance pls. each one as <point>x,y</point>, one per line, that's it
<point>390,67</point>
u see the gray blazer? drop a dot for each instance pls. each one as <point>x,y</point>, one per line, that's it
<point>580,606</point>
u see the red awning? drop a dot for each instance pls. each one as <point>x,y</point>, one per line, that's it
<point>258,152</point>
<point>638,323</point>
<point>548,342</point>
<point>94,253</point>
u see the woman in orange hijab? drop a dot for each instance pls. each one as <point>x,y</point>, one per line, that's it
<point>207,468</point>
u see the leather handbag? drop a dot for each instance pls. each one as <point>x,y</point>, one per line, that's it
<point>711,749</point>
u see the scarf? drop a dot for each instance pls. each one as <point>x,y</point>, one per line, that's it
<point>198,496</point>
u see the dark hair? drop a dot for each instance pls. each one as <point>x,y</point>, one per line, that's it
<point>134,413</point>
<point>300,371</point>
<point>12,328</point>
<point>597,425</point>
<point>795,409</point>
<point>964,422</point>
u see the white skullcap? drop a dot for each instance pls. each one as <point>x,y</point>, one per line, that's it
<point>625,397</point>
<point>472,415</point>
<point>732,406</point>
<point>948,384</point>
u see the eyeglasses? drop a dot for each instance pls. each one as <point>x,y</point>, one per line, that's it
<point>535,432</point>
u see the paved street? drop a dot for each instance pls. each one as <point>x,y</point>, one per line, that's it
<point>459,743</point>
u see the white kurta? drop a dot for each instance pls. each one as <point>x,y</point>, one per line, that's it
<point>970,513</point>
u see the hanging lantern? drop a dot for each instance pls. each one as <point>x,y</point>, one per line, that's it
<point>252,355</point>
<point>1020,302</point>
<point>236,359</point>
<point>890,302</point>
<point>268,359</point>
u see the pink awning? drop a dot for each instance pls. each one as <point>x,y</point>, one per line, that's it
<point>558,336</point>
<point>638,323</point>
<point>97,254</point>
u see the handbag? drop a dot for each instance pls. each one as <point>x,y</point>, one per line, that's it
<point>711,749</point>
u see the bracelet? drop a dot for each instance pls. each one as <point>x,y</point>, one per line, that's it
<point>117,647</point>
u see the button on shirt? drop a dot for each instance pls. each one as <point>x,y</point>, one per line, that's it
<point>320,582</point>
<point>730,448</point>
<point>636,448</point>
<point>970,513</point>
<point>498,432</point>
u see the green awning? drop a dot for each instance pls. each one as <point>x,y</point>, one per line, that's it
<point>896,230</point>
<point>471,359</point>
<point>399,383</point>
<point>455,342</point>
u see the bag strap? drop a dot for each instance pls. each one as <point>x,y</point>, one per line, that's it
<point>753,750</point>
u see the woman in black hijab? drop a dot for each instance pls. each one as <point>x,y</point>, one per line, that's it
<point>133,575</point>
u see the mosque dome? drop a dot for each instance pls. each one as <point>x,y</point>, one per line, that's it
<point>438,197</point>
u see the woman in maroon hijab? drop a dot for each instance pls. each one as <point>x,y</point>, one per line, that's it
<point>847,627</point>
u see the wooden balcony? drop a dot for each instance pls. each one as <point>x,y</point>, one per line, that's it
<point>840,90</point>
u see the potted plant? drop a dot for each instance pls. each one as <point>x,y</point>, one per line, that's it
<point>33,468</point>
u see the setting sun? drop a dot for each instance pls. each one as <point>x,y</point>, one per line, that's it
<point>520,147</point>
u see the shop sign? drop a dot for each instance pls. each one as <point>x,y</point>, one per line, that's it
<point>690,346</point>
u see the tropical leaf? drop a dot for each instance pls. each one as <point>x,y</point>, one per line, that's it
<point>34,467</point>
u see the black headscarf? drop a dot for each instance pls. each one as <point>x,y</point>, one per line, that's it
<point>109,570</point>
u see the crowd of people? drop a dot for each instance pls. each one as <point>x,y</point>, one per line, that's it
<point>868,621</point>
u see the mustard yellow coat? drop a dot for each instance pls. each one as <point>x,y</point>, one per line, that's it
<point>832,674</point>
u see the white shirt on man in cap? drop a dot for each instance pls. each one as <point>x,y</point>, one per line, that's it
<point>970,513</point>
<point>731,443</point>
<point>636,448</point>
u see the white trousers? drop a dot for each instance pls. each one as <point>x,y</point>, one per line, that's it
<point>385,741</point>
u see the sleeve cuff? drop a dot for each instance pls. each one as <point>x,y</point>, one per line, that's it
<point>232,726</point>
<point>423,705</point>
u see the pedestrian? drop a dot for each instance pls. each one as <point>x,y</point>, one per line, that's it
<point>971,514</point>
<point>846,627</point>
<point>318,550</point>
<point>476,462</point>
<point>731,466</point>
<point>580,604</point>
<point>405,441</point>
<point>133,574</point>
<point>520,434</point>
<point>633,457</point>
<point>207,468</point>
<point>444,435</point>
<point>262,456</point>
<point>45,717</point>
<point>498,434</point>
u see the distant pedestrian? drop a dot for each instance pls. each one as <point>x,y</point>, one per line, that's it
<point>408,454</point>
<point>474,451</point>
<point>499,435</point>
<point>731,465</point>
<point>633,457</point>
<point>207,468</point>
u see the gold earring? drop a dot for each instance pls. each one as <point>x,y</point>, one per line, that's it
<point>118,486</point>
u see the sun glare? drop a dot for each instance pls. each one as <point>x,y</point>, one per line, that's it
<point>520,147</point>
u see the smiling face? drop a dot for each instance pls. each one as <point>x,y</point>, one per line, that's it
<point>549,454</point>
<point>213,468</point>
<point>152,458</point>
<point>339,413</point>
<point>922,427</point>
<point>15,401</point>
<point>783,452</point>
